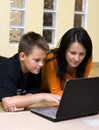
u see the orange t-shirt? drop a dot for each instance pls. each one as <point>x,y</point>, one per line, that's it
<point>51,82</point>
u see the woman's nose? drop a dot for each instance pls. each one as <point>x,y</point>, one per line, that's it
<point>77,58</point>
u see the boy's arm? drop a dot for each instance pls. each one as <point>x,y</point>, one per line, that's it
<point>18,103</point>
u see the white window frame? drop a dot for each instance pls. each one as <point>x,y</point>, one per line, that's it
<point>23,19</point>
<point>84,13</point>
<point>54,27</point>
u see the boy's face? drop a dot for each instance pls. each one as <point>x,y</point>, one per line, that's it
<point>34,61</point>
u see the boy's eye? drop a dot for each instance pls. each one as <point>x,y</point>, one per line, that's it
<point>37,60</point>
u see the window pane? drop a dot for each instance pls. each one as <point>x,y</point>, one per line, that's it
<point>78,5</point>
<point>17,3</point>
<point>48,19</point>
<point>77,20</point>
<point>15,35</point>
<point>48,4</point>
<point>16,18</point>
<point>48,35</point>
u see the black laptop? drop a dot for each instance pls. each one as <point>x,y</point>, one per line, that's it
<point>80,98</point>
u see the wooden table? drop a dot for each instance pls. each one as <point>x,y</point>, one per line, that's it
<point>26,120</point>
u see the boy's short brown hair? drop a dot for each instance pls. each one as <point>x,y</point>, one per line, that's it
<point>31,39</point>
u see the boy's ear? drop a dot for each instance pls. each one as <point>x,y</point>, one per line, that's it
<point>22,56</point>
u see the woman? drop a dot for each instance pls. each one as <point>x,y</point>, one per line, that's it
<point>72,59</point>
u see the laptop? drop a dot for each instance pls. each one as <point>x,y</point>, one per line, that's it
<point>80,98</point>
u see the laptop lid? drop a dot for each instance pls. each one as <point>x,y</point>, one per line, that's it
<point>80,98</point>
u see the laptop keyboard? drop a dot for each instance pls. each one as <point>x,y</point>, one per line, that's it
<point>48,111</point>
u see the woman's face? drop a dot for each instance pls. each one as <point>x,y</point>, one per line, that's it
<point>34,61</point>
<point>75,54</point>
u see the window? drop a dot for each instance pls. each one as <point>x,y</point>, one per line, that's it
<point>80,14</point>
<point>49,20</point>
<point>17,20</point>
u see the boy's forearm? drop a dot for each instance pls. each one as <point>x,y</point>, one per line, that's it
<point>27,100</point>
<point>21,101</point>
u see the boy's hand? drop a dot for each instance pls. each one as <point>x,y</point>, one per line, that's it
<point>13,108</point>
<point>52,97</point>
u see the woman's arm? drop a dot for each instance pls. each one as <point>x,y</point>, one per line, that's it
<point>50,79</point>
<point>88,67</point>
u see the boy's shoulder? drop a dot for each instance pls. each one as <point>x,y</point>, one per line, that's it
<point>2,58</point>
<point>10,65</point>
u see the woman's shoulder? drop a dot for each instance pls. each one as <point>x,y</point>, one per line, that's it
<point>50,55</point>
<point>89,61</point>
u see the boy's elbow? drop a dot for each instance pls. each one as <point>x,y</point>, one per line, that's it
<point>5,103</point>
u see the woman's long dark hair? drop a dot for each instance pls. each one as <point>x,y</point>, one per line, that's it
<point>75,34</point>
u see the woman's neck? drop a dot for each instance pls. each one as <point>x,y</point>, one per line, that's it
<point>70,70</point>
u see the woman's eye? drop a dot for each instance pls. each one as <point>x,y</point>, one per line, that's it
<point>73,53</point>
<point>81,54</point>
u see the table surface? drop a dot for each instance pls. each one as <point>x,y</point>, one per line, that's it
<point>25,120</point>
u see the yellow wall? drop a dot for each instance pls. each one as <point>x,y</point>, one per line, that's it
<point>34,15</point>
<point>34,22</point>
<point>93,26</point>
<point>65,17</point>
<point>4,27</point>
